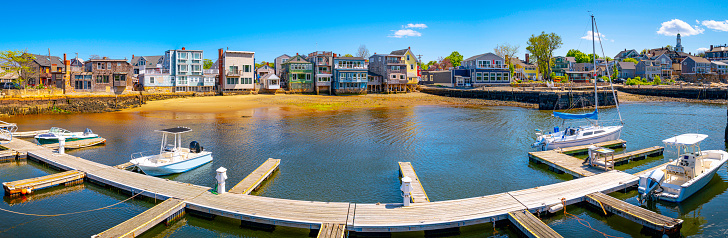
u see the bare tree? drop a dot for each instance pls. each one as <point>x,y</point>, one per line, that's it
<point>94,57</point>
<point>506,51</point>
<point>363,52</point>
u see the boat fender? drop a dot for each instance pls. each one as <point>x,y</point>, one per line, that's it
<point>556,208</point>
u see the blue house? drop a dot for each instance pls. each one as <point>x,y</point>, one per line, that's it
<point>350,75</point>
<point>481,70</point>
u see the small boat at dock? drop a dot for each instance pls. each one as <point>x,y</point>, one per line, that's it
<point>6,131</point>
<point>54,133</point>
<point>681,178</point>
<point>172,158</point>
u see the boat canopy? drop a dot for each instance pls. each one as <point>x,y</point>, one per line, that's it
<point>592,115</point>
<point>175,130</point>
<point>685,139</point>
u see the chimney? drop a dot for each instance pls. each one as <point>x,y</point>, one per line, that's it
<point>334,55</point>
<point>183,48</point>
<point>296,54</point>
<point>220,71</point>
<point>711,47</point>
<point>527,58</point>
<point>408,48</point>
<point>106,57</point>
<point>64,55</point>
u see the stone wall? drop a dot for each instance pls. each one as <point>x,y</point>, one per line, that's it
<point>83,103</point>
<point>546,100</point>
<point>677,92</point>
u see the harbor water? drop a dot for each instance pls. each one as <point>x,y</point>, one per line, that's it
<point>351,155</point>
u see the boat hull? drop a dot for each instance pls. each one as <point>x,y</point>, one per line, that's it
<point>612,135</point>
<point>44,141</point>
<point>178,167</point>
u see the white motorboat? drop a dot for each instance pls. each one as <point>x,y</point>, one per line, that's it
<point>6,131</point>
<point>172,158</point>
<point>54,133</point>
<point>581,135</point>
<point>681,178</point>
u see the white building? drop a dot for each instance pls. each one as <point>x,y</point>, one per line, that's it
<point>239,67</point>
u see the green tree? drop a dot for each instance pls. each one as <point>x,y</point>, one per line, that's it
<point>552,75</point>
<point>348,55</point>
<point>16,62</point>
<point>657,80</point>
<point>455,58</point>
<point>668,47</point>
<point>566,78</point>
<point>207,64</point>
<point>579,56</point>
<point>615,72</point>
<point>542,48</point>
<point>631,60</point>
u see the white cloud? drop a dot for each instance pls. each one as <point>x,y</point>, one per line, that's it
<point>405,33</point>
<point>416,25</point>
<point>674,26</point>
<point>716,25</point>
<point>599,36</point>
<point>702,49</point>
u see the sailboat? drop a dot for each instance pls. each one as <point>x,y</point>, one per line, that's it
<point>581,135</point>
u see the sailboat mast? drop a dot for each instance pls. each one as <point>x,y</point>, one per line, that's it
<point>594,53</point>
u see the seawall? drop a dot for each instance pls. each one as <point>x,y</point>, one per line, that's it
<point>82,103</point>
<point>546,100</point>
<point>677,92</point>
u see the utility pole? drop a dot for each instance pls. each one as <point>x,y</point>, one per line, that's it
<point>419,58</point>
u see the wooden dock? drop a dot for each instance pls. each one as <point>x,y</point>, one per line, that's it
<point>78,143</point>
<point>8,155</point>
<point>28,134</point>
<point>359,217</point>
<point>254,179</point>
<point>418,192</point>
<point>530,225</point>
<point>585,148</point>
<point>647,218</point>
<point>144,221</point>
<point>576,167</point>
<point>43,182</point>
<point>331,230</point>
<point>124,166</point>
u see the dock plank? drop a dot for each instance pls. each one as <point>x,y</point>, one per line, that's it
<point>568,164</point>
<point>530,225</point>
<point>647,218</point>
<point>78,143</point>
<point>585,148</point>
<point>418,192</point>
<point>144,221</point>
<point>42,182</point>
<point>332,230</point>
<point>254,179</point>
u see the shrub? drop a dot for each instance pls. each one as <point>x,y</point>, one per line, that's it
<point>657,80</point>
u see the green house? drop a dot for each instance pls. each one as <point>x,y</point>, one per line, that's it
<point>298,74</point>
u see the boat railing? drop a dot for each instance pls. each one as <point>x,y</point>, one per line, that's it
<point>143,154</point>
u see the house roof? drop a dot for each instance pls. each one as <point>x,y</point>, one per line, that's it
<point>106,60</point>
<point>399,52</point>
<point>297,59</point>
<point>719,63</point>
<point>698,59</point>
<point>619,55</point>
<point>626,65</point>
<point>152,61</point>
<point>283,56</point>
<point>265,67</point>
<point>718,49</point>
<point>269,76</point>
<point>350,58</point>
<point>43,60</point>
<point>478,56</point>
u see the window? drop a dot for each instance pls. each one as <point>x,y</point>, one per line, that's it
<point>196,68</point>
<point>343,75</point>
<point>408,57</point>
<point>119,77</point>
<point>412,66</point>
<point>587,133</point>
<point>151,79</point>
<point>108,65</point>
<point>231,80</point>
<point>100,66</point>
<point>182,68</point>
<point>394,76</point>
<point>118,64</point>
<point>492,76</point>
<point>401,76</point>
<point>182,80</point>
<point>246,68</point>
<point>196,56</point>
<point>478,77</point>
<point>308,76</point>
<point>247,80</point>
<point>183,55</point>
<point>102,78</point>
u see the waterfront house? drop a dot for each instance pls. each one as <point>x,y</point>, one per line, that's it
<point>76,64</point>
<point>263,70</point>
<point>278,63</point>
<point>580,76</point>
<point>153,77</point>
<point>695,65</point>
<point>374,82</point>
<point>625,54</point>
<point>47,70</point>
<point>185,67</point>
<point>298,74</point>
<point>523,70</point>
<point>412,68</point>
<point>626,69</point>
<point>437,77</point>
<point>562,64</point>
<point>238,67</point>
<point>582,67</point>
<point>717,53</point>
<point>665,65</point>
<point>719,67</point>
<point>323,65</point>
<point>480,70</point>
<point>350,75</point>
<point>270,82</point>
<point>648,69</point>
<point>392,69</point>
<point>103,75</point>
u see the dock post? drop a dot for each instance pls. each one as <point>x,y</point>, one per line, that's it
<point>221,177</point>
<point>61,145</point>
<point>406,190</point>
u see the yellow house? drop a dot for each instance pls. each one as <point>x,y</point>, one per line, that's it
<point>524,70</point>
<point>411,63</point>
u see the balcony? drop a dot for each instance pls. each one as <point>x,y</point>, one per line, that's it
<point>211,71</point>
<point>363,67</point>
<point>233,72</point>
<point>395,62</point>
<point>495,66</point>
<point>156,71</point>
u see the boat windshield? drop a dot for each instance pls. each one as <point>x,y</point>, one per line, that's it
<point>58,130</point>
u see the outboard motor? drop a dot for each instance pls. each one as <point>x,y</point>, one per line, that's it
<point>87,132</point>
<point>195,147</point>
<point>649,185</point>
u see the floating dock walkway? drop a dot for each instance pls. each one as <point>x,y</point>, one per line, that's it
<point>47,181</point>
<point>562,163</point>
<point>146,220</point>
<point>251,182</point>
<point>331,230</point>
<point>531,226</point>
<point>77,144</point>
<point>647,218</point>
<point>28,134</point>
<point>583,149</point>
<point>358,217</point>
<point>418,192</point>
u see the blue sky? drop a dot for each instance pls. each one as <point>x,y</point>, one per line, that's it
<point>272,28</point>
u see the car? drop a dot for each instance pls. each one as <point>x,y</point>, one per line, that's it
<point>8,85</point>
